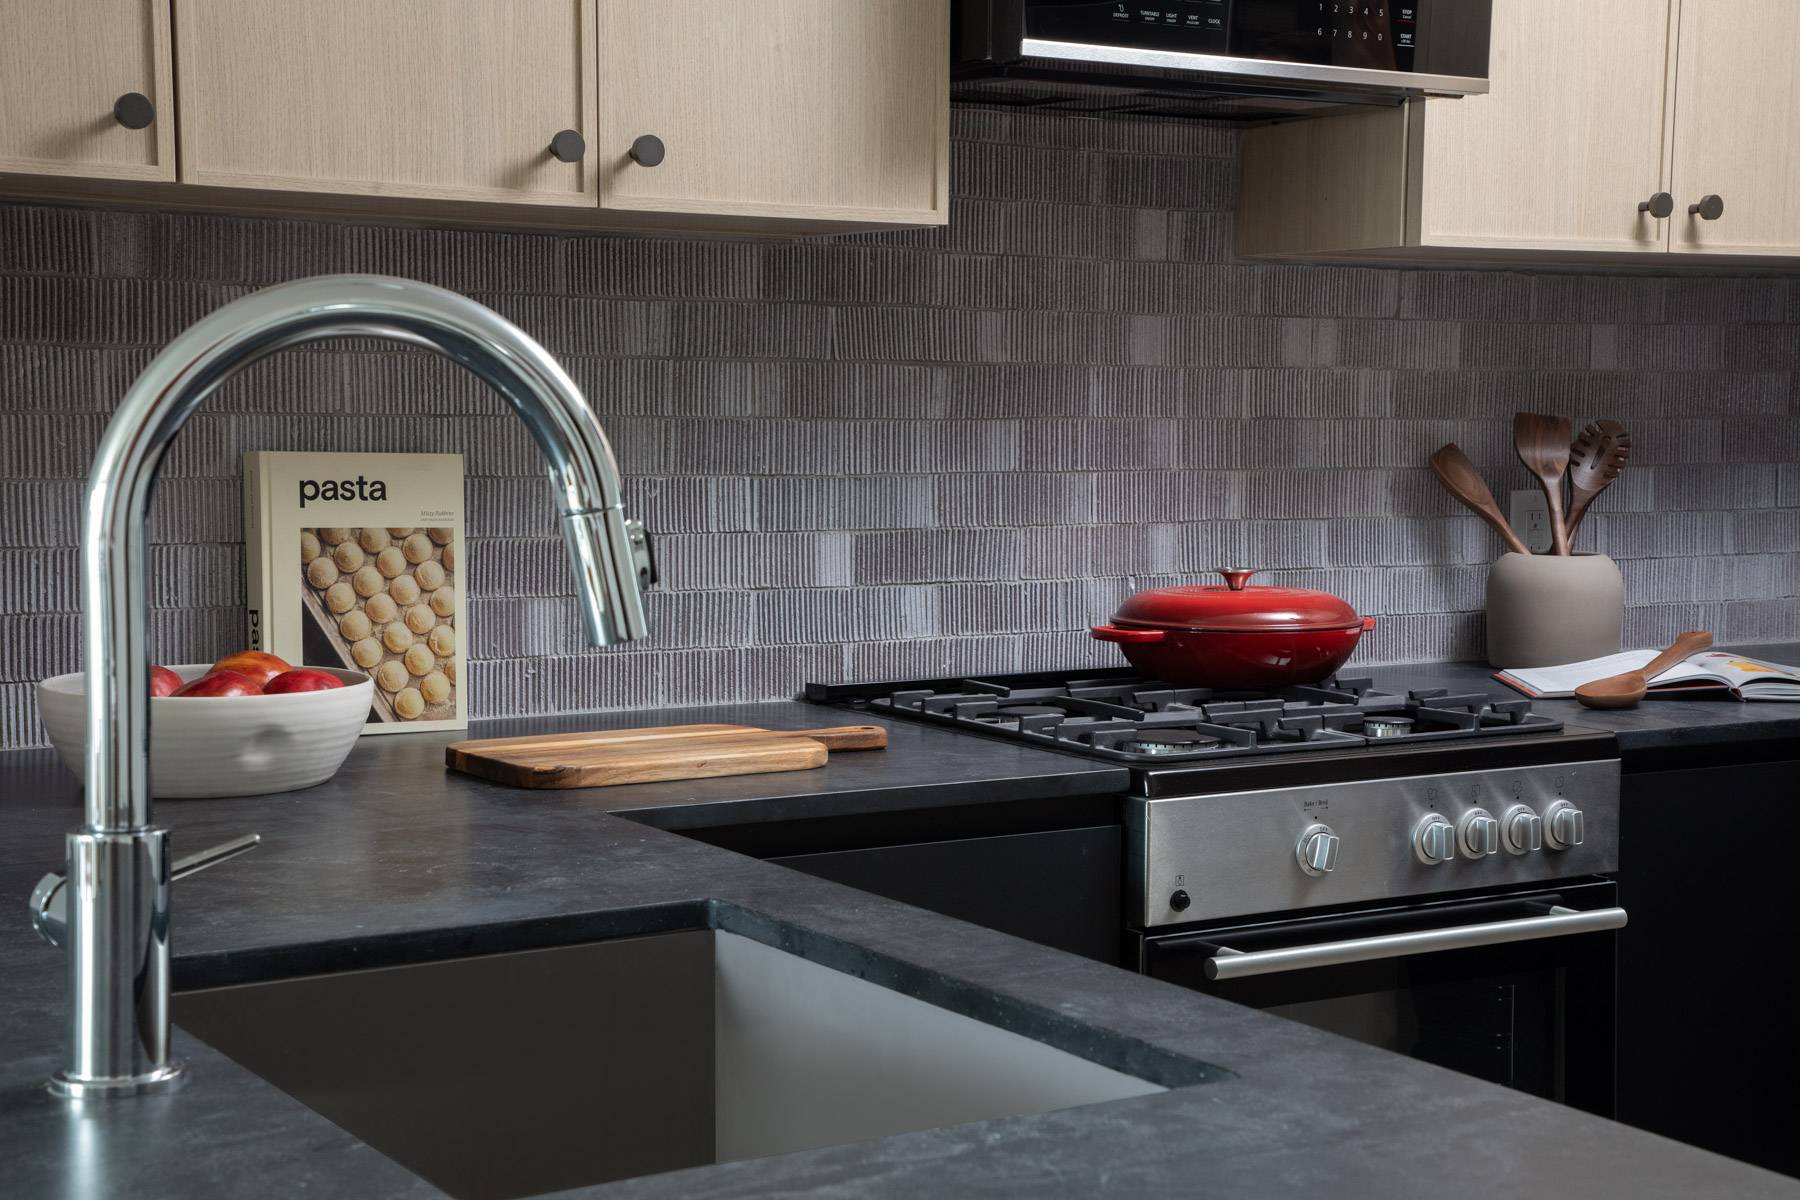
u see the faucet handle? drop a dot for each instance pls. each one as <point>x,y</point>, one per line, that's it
<point>643,553</point>
<point>49,900</point>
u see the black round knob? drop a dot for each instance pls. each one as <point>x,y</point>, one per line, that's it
<point>1710,208</point>
<point>568,146</point>
<point>1658,206</point>
<point>133,110</point>
<point>647,150</point>
<point>1180,901</point>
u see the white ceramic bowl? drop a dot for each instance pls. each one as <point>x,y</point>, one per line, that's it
<point>225,745</point>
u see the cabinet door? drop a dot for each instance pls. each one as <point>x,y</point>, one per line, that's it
<point>438,99</point>
<point>63,65</point>
<point>822,109</point>
<point>1566,143</point>
<point>1737,123</point>
<point>1707,975</point>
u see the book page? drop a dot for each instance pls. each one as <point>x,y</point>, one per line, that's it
<point>1741,671</point>
<point>1564,679</point>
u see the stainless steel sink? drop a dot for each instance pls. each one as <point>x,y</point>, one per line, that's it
<point>517,1074</point>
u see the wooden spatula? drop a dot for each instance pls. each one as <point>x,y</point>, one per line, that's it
<point>1624,691</point>
<point>1543,445</point>
<point>1599,452</point>
<point>1462,480</point>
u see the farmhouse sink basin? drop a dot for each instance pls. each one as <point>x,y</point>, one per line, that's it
<point>522,1073</point>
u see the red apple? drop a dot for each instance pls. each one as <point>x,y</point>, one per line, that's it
<point>260,667</point>
<point>222,683</point>
<point>163,682</point>
<point>301,679</point>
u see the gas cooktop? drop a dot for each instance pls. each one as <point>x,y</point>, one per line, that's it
<point>1144,722</point>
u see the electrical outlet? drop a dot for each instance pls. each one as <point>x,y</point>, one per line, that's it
<point>1531,519</point>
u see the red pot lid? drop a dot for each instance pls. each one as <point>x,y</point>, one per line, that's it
<point>1237,607</point>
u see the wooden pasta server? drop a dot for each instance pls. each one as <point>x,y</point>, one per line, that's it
<point>608,758</point>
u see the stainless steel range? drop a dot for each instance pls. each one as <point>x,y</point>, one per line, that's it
<point>1427,871</point>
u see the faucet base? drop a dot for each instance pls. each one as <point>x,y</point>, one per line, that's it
<point>66,1087</point>
<point>118,958</point>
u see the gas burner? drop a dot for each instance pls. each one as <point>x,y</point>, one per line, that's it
<point>1173,741</point>
<point>1127,719</point>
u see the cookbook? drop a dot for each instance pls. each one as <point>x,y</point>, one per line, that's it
<point>357,561</point>
<point>1709,671</point>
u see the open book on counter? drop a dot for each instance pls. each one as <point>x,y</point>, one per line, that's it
<point>1709,671</point>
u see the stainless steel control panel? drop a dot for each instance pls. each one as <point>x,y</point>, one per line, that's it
<point>1231,854</point>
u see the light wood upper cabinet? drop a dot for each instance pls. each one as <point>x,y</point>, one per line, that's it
<point>1555,157</point>
<point>1737,126</point>
<point>778,116</point>
<point>829,110</point>
<point>1565,144</point>
<point>1596,107</point>
<point>63,65</point>
<point>442,99</point>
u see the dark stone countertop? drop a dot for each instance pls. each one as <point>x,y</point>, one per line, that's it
<point>1663,733</point>
<point>396,860</point>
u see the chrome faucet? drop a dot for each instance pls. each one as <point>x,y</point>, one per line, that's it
<point>112,911</point>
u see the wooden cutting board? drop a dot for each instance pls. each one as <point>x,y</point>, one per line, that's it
<point>615,756</point>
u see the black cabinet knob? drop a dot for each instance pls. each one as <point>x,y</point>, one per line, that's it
<point>647,150</point>
<point>1710,208</point>
<point>133,110</point>
<point>568,146</point>
<point>1658,206</point>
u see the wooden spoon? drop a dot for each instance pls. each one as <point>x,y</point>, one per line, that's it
<point>1599,452</point>
<point>1462,480</point>
<point>1543,445</point>
<point>1624,691</point>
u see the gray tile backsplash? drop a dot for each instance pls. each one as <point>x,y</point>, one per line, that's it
<point>923,452</point>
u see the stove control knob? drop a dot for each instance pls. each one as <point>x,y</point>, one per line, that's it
<point>1434,840</point>
<point>1477,833</point>
<point>1317,849</point>
<point>1563,825</point>
<point>1521,830</point>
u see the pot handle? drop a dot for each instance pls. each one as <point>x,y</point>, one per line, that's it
<point>1112,633</point>
<point>1368,624</point>
<point>1237,577</point>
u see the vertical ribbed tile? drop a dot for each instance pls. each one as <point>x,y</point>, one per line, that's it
<point>928,451</point>
<point>46,240</point>
<point>1466,295</point>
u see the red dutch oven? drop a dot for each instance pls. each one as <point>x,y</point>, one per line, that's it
<point>1235,636</point>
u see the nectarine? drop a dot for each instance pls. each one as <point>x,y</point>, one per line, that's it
<point>163,682</point>
<point>301,679</point>
<point>258,665</point>
<point>222,683</point>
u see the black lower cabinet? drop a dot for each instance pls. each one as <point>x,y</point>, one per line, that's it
<point>1058,888</point>
<point>1709,1044</point>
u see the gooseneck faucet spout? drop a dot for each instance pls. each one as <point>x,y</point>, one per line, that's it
<point>117,903</point>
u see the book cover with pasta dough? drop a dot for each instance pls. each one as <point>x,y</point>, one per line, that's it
<point>357,561</point>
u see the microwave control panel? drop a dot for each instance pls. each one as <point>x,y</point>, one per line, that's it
<point>1376,36</point>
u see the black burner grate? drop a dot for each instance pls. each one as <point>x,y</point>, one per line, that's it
<point>1125,718</point>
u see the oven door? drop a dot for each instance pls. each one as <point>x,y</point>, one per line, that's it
<point>1517,989</point>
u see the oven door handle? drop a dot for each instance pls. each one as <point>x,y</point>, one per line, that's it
<point>1561,922</point>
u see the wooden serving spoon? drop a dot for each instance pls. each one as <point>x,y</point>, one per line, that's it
<point>1543,445</point>
<point>1462,480</point>
<point>1599,452</point>
<point>1624,691</point>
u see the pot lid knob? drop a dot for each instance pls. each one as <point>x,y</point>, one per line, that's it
<point>1237,577</point>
